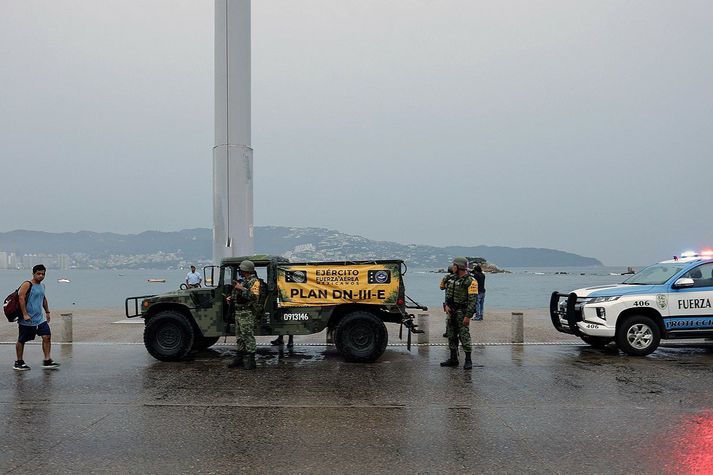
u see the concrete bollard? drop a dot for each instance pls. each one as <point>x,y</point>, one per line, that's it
<point>517,332</point>
<point>66,327</point>
<point>422,323</point>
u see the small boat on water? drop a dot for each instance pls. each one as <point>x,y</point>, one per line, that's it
<point>157,280</point>
<point>64,280</point>
<point>629,271</point>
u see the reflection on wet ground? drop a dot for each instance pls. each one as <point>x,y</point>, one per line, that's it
<point>542,409</point>
<point>690,444</point>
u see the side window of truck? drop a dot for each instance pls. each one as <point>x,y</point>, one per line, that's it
<point>702,275</point>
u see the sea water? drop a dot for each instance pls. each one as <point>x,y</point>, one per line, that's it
<point>521,288</point>
<point>525,287</point>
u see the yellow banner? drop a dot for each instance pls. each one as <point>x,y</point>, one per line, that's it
<point>334,284</point>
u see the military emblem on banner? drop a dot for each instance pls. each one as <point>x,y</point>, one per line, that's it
<point>296,276</point>
<point>379,277</point>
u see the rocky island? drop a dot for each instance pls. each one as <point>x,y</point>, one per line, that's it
<point>484,264</point>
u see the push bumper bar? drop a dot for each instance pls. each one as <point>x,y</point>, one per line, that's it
<point>571,312</point>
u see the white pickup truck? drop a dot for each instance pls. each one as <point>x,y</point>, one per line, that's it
<point>671,299</point>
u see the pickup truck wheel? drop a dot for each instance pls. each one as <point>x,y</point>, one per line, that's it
<point>596,341</point>
<point>201,343</point>
<point>638,336</point>
<point>168,336</point>
<point>361,337</point>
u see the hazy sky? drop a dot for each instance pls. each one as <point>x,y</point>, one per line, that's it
<point>585,126</point>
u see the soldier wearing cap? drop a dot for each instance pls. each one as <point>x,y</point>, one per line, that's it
<point>461,296</point>
<point>246,297</point>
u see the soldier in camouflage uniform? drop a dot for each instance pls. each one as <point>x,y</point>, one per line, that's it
<point>246,297</point>
<point>444,281</point>
<point>461,296</point>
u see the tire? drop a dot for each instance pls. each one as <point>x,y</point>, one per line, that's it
<point>201,343</point>
<point>168,336</point>
<point>361,337</point>
<point>638,336</point>
<point>596,341</point>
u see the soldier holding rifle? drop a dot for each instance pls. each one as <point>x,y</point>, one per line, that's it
<point>461,296</point>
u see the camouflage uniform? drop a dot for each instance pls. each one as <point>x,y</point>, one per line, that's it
<point>461,297</point>
<point>444,282</point>
<point>445,279</point>
<point>246,314</point>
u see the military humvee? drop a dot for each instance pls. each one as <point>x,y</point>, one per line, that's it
<point>352,300</point>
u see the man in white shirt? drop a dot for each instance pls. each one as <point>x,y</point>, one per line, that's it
<point>193,278</point>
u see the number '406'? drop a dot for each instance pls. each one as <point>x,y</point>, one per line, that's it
<point>641,303</point>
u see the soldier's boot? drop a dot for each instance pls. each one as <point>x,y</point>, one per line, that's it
<point>278,341</point>
<point>250,361</point>
<point>290,342</point>
<point>453,360</point>
<point>238,360</point>
<point>468,363</point>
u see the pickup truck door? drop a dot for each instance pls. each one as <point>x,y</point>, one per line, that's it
<point>691,308</point>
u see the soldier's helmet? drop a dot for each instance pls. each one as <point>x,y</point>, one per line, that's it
<point>461,262</point>
<point>247,266</point>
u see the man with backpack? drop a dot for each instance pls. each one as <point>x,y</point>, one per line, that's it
<point>34,321</point>
<point>248,297</point>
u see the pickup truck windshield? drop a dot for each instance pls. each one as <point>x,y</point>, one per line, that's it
<point>656,274</point>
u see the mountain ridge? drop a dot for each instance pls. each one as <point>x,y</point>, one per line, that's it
<point>298,244</point>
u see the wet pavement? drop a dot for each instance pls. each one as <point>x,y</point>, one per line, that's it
<point>539,409</point>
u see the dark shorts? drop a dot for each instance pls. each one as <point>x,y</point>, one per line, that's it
<point>28,332</point>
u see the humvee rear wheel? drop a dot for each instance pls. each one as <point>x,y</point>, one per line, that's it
<point>201,343</point>
<point>168,336</point>
<point>638,335</point>
<point>361,337</point>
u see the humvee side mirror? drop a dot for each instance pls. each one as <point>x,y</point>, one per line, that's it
<point>683,283</point>
<point>209,276</point>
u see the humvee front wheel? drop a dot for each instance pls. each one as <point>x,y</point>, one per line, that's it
<point>168,336</point>
<point>361,337</point>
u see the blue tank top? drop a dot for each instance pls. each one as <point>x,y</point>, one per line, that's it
<point>35,298</point>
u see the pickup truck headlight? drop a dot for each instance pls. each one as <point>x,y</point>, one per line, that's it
<point>604,299</point>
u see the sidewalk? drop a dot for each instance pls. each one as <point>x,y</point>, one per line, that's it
<point>110,326</point>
